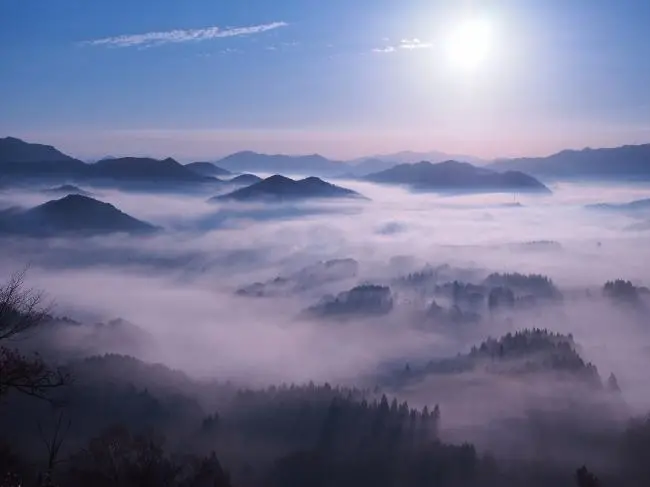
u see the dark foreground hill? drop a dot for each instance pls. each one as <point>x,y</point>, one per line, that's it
<point>452,176</point>
<point>73,214</point>
<point>280,188</point>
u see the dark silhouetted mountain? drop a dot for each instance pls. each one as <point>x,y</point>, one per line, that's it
<point>628,162</point>
<point>19,159</point>
<point>66,189</point>
<point>14,150</point>
<point>368,299</point>
<point>207,169</point>
<point>282,188</point>
<point>457,177</point>
<point>245,180</point>
<point>73,214</point>
<point>255,162</point>
<point>143,169</point>
<point>632,207</point>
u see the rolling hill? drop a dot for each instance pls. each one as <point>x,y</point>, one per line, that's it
<point>452,176</point>
<point>13,150</point>
<point>20,159</point>
<point>72,214</point>
<point>279,188</point>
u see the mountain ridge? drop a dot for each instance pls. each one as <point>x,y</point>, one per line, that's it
<point>622,162</point>
<point>278,187</point>
<point>72,214</point>
<point>457,176</point>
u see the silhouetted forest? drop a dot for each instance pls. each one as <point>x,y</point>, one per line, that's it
<point>113,420</point>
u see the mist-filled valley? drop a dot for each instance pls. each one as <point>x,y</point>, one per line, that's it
<point>382,336</point>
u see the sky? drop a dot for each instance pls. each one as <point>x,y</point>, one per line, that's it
<point>203,78</point>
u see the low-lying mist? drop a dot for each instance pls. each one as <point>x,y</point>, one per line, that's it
<point>236,292</point>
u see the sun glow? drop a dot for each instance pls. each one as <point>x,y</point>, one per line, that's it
<point>470,44</point>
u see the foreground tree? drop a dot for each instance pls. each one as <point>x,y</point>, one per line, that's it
<point>118,458</point>
<point>21,311</point>
<point>585,478</point>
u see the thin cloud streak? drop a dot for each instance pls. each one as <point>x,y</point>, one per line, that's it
<point>408,44</point>
<point>182,35</point>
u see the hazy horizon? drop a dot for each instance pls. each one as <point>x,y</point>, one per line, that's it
<point>207,80</point>
<point>165,144</point>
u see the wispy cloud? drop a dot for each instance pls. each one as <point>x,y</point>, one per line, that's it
<point>182,35</point>
<point>414,44</point>
<point>408,44</point>
<point>386,49</point>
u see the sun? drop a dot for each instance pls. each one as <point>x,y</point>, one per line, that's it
<point>469,45</point>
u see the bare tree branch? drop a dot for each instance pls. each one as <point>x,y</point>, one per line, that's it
<point>30,376</point>
<point>21,311</point>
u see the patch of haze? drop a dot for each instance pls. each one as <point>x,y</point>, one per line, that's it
<point>180,286</point>
<point>210,332</point>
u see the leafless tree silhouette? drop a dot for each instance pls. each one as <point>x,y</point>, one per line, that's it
<point>22,310</point>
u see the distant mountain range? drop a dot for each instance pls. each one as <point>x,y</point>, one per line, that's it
<point>207,169</point>
<point>628,162</point>
<point>23,160</point>
<point>411,157</point>
<point>72,214</point>
<point>366,167</point>
<point>281,188</point>
<point>254,162</point>
<point>143,169</point>
<point>457,177</point>
<point>19,159</point>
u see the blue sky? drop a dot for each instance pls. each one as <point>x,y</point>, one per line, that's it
<point>202,78</point>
